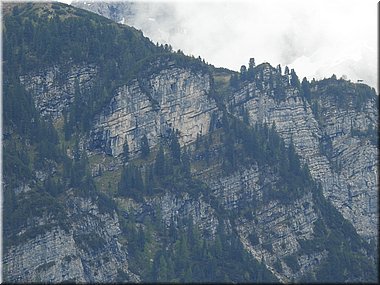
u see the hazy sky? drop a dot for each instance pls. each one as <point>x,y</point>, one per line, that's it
<point>317,38</point>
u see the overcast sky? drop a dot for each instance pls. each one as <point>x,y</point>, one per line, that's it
<point>317,38</point>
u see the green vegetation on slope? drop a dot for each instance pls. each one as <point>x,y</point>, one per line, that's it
<point>39,36</point>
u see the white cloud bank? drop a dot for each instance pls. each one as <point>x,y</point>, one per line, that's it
<point>317,38</point>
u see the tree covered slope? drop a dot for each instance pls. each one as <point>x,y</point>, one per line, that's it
<point>124,161</point>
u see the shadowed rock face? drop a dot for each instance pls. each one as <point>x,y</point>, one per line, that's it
<point>85,249</point>
<point>54,87</point>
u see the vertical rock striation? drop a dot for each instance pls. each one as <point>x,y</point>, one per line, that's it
<point>325,139</point>
<point>86,249</point>
<point>269,230</point>
<point>173,98</point>
<point>53,89</point>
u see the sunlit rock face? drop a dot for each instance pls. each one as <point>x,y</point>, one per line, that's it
<point>173,98</point>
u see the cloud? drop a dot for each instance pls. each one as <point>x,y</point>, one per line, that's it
<point>317,38</point>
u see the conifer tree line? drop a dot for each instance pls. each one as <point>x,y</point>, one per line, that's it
<point>252,74</point>
<point>45,161</point>
<point>170,164</point>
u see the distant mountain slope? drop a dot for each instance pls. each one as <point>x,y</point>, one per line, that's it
<point>157,20</point>
<point>126,161</point>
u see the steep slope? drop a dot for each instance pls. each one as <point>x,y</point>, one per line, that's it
<point>347,116</point>
<point>336,139</point>
<point>157,20</point>
<point>81,245</point>
<point>167,96</point>
<point>57,226</point>
<point>129,162</point>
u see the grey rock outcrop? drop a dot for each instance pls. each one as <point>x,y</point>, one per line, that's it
<point>270,231</point>
<point>88,250</point>
<point>174,207</point>
<point>174,98</point>
<point>56,232</point>
<point>353,187</point>
<point>54,88</point>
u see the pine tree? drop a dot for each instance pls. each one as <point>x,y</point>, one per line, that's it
<point>159,165</point>
<point>126,151</point>
<point>163,270</point>
<point>251,69</point>
<point>229,154</point>
<point>141,238</point>
<point>243,73</point>
<point>306,89</point>
<point>294,81</point>
<point>286,70</point>
<point>279,69</point>
<point>234,81</point>
<point>144,147</point>
<point>186,169</point>
<point>67,126</point>
<point>149,181</point>
<point>175,148</point>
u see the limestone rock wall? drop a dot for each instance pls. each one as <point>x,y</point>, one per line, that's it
<point>354,156</point>
<point>198,210</point>
<point>270,231</point>
<point>88,251</point>
<point>53,89</point>
<point>174,98</point>
<point>351,186</point>
<point>332,141</point>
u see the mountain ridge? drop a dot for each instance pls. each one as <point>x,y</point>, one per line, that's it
<point>140,155</point>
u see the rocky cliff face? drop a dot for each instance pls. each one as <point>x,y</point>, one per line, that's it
<point>88,250</point>
<point>54,88</point>
<point>269,230</point>
<point>173,98</point>
<point>87,242</point>
<point>349,143</point>
<point>177,98</point>
<point>352,185</point>
<point>173,207</point>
